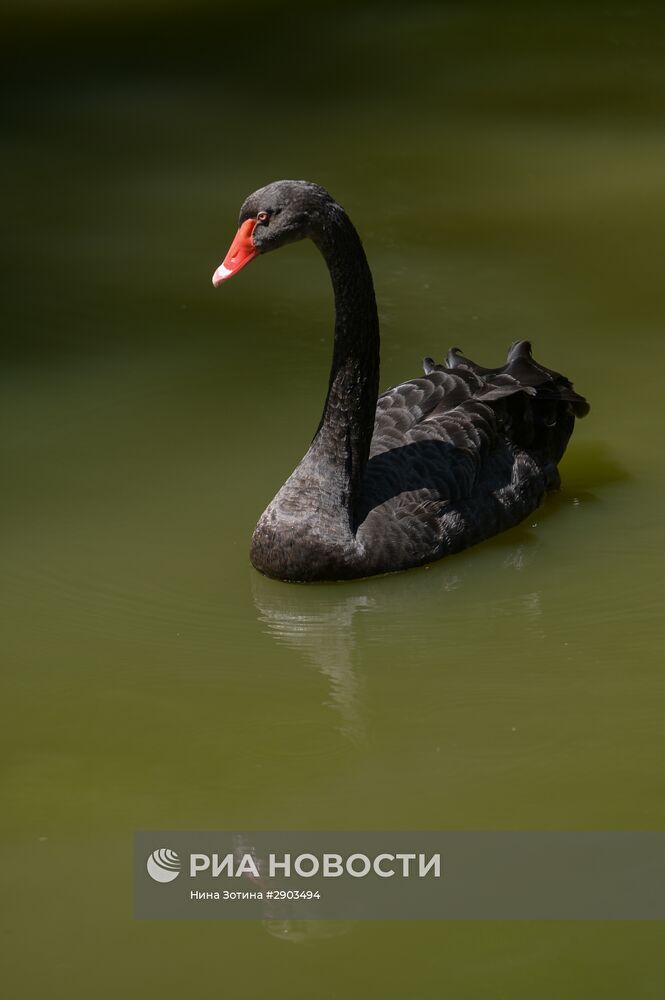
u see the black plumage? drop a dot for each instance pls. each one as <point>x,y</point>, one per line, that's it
<point>427,468</point>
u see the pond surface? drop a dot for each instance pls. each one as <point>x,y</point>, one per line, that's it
<point>152,679</point>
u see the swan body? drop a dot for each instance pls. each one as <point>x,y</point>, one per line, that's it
<point>427,468</point>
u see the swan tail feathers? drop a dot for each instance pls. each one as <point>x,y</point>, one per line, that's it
<point>538,405</point>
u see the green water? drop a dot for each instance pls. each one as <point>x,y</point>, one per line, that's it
<point>504,166</point>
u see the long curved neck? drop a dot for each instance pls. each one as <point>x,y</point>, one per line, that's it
<point>342,442</point>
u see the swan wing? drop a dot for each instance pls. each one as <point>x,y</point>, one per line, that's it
<point>434,405</point>
<point>461,454</point>
<point>464,433</point>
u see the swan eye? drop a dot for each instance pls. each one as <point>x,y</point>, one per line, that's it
<point>262,217</point>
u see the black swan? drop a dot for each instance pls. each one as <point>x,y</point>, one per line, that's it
<point>429,467</point>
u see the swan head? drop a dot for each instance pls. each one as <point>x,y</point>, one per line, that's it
<point>280,213</point>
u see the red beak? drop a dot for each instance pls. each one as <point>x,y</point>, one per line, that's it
<point>241,252</point>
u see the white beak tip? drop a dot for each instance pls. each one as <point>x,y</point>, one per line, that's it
<point>220,275</point>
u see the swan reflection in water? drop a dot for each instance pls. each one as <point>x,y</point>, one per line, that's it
<point>318,624</point>
<point>300,931</point>
<point>287,920</point>
<point>322,623</point>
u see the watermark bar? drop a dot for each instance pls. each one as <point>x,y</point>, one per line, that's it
<point>450,875</point>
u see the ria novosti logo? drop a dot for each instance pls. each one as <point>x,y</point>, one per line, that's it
<point>163,865</point>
